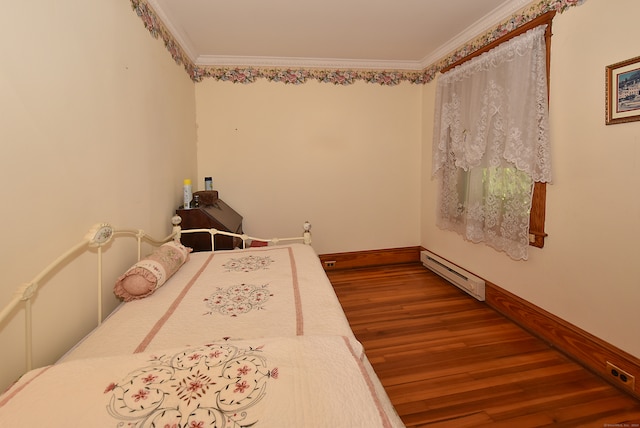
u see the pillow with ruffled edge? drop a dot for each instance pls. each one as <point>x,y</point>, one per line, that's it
<point>145,277</point>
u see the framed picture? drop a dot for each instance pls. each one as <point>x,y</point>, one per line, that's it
<point>623,91</point>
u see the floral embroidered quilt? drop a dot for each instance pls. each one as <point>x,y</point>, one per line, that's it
<point>243,294</point>
<point>297,381</point>
<point>243,338</point>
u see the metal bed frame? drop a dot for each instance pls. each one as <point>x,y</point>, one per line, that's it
<point>97,237</point>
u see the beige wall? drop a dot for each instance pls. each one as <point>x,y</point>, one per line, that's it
<point>97,123</point>
<point>346,158</point>
<point>588,272</point>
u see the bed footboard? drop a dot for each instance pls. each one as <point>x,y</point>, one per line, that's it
<point>305,238</point>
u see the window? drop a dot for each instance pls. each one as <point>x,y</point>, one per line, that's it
<point>491,148</point>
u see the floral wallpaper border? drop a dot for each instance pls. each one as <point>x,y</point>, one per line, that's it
<point>338,77</point>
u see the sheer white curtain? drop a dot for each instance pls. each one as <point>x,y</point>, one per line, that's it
<point>491,142</point>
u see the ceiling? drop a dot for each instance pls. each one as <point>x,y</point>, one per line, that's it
<point>398,34</point>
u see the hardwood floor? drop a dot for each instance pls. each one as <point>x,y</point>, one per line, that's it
<point>448,360</point>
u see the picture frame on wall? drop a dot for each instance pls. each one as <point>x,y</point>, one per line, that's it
<point>623,91</point>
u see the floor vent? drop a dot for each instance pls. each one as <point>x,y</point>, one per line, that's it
<point>459,277</point>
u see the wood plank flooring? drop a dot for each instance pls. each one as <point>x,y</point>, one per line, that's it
<point>448,360</point>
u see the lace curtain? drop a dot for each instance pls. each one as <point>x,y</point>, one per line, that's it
<point>491,143</point>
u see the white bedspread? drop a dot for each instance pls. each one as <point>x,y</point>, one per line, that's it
<point>257,292</point>
<point>233,338</point>
<point>296,381</point>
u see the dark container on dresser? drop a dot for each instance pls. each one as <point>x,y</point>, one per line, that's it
<point>212,213</point>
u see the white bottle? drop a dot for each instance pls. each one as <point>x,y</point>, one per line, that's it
<point>188,193</point>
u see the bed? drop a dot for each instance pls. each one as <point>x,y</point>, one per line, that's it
<point>233,338</point>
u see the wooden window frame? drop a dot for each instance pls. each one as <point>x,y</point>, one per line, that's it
<point>538,206</point>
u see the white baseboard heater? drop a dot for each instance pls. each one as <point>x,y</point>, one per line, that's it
<point>459,277</point>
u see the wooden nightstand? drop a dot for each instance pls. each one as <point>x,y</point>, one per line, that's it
<point>217,215</point>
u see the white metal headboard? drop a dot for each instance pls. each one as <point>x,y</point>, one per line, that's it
<point>97,237</point>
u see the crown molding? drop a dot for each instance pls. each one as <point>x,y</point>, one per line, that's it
<point>508,16</point>
<point>495,17</point>
<point>502,12</point>
<point>290,62</point>
<point>177,34</point>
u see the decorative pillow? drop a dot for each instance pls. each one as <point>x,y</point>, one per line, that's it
<point>150,273</point>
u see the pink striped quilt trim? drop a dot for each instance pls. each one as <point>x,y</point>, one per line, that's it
<point>156,328</point>
<point>18,389</point>
<point>296,294</point>
<point>384,418</point>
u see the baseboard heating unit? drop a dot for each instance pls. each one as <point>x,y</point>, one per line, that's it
<point>459,277</point>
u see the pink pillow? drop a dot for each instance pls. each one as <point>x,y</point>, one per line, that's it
<point>150,273</point>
